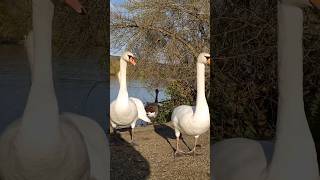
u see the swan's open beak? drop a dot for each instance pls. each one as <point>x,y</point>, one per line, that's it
<point>132,60</point>
<point>76,5</point>
<point>315,3</point>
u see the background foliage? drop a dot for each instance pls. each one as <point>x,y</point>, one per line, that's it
<point>244,77</point>
<point>73,34</point>
<point>245,74</point>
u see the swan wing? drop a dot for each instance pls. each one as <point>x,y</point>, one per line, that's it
<point>96,142</point>
<point>182,112</point>
<point>142,114</point>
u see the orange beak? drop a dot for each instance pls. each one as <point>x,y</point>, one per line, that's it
<point>76,5</point>
<point>132,60</point>
<point>209,60</point>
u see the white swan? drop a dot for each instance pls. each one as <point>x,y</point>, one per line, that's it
<point>191,120</point>
<point>43,144</point>
<point>126,111</point>
<point>294,155</point>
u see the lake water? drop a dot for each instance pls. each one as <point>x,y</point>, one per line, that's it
<point>136,89</point>
<point>80,86</point>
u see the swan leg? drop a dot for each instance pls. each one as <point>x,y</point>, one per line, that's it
<point>193,151</point>
<point>116,136</point>
<point>113,125</point>
<point>114,131</point>
<point>132,142</point>
<point>132,133</point>
<point>178,151</point>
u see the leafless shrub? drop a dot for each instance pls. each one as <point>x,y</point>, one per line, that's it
<point>245,74</point>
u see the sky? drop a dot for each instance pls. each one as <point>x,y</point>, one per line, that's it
<point>114,6</point>
<point>115,2</point>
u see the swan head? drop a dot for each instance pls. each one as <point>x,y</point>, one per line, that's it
<point>129,57</point>
<point>204,58</point>
<point>302,3</point>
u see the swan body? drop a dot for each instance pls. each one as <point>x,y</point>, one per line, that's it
<point>123,115</point>
<point>26,163</point>
<point>183,121</point>
<point>44,144</point>
<point>126,111</point>
<point>293,155</point>
<point>195,120</point>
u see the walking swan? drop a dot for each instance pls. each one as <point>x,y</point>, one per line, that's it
<point>294,155</point>
<point>44,144</point>
<point>193,120</point>
<point>126,111</point>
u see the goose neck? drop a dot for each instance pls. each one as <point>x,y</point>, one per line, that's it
<point>156,99</point>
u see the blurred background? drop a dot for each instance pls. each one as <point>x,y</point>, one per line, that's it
<point>244,78</point>
<point>79,59</point>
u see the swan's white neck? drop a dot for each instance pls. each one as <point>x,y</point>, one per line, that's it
<point>123,92</point>
<point>201,104</point>
<point>40,120</point>
<point>294,147</point>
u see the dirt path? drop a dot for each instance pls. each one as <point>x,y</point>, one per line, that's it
<point>153,157</point>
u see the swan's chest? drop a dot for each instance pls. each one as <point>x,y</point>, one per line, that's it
<point>123,114</point>
<point>195,125</point>
<point>73,164</point>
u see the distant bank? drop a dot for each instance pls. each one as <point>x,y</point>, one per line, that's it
<point>114,65</point>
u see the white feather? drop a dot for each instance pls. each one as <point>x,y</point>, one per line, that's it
<point>142,114</point>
